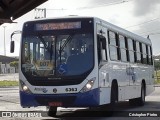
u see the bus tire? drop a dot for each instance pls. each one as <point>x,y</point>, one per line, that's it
<point>52,111</point>
<point>109,108</point>
<point>141,100</point>
<point>114,95</point>
<point>132,102</point>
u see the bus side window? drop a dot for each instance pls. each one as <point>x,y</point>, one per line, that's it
<point>102,51</point>
<point>150,55</point>
<point>113,45</point>
<point>131,50</point>
<point>144,53</point>
<point>141,52</point>
<point>123,48</point>
<point>147,54</point>
<point>138,53</point>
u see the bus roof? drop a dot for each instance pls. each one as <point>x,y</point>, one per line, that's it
<point>110,26</point>
<point>124,32</point>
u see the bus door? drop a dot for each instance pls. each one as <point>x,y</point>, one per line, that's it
<point>102,55</point>
<point>131,69</point>
<point>102,63</point>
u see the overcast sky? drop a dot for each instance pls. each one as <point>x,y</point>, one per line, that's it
<point>139,16</point>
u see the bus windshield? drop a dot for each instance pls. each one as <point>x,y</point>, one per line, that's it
<point>57,55</point>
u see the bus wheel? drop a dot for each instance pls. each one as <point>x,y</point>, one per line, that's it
<point>52,111</point>
<point>109,109</point>
<point>141,100</point>
<point>114,96</point>
<point>132,102</point>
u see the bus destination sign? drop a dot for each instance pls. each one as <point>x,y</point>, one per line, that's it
<point>58,26</point>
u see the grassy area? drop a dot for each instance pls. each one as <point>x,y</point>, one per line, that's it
<point>7,83</point>
<point>157,81</point>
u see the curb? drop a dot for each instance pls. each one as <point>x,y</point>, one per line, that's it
<point>9,86</point>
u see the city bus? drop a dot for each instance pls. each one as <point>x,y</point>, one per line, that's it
<point>82,62</point>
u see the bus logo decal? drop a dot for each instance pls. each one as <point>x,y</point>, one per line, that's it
<point>62,69</point>
<point>55,90</point>
<point>44,90</point>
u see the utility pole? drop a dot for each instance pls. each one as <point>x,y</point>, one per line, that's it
<point>4,41</point>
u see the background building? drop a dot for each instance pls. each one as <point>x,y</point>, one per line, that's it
<point>8,64</point>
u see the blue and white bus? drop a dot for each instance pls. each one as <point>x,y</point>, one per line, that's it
<point>82,62</point>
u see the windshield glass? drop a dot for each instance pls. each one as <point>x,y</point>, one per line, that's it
<point>57,55</point>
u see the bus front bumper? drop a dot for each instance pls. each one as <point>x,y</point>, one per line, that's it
<point>86,99</point>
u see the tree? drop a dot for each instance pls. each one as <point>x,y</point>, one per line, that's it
<point>14,64</point>
<point>157,65</point>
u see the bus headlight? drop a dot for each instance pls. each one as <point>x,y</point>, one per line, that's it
<point>24,87</point>
<point>89,85</point>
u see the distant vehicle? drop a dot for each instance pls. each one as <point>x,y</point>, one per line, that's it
<point>82,62</point>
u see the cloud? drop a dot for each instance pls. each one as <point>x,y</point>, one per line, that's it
<point>144,7</point>
<point>100,3</point>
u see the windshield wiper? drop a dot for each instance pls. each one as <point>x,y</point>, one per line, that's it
<point>44,43</point>
<point>66,42</point>
<point>64,45</point>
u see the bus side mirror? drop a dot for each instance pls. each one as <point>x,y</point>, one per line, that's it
<point>12,42</point>
<point>12,47</point>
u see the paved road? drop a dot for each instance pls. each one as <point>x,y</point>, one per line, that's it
<point>9,101</point>
<point>9,76</point>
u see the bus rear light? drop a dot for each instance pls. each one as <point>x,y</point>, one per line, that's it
<point>89,85</point>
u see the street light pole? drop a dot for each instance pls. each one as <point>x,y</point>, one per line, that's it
<point>4,41</point>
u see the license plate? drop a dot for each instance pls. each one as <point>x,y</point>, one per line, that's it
<point>55,104</point>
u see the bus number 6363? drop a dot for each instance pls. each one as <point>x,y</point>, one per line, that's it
<point>71,89</point>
